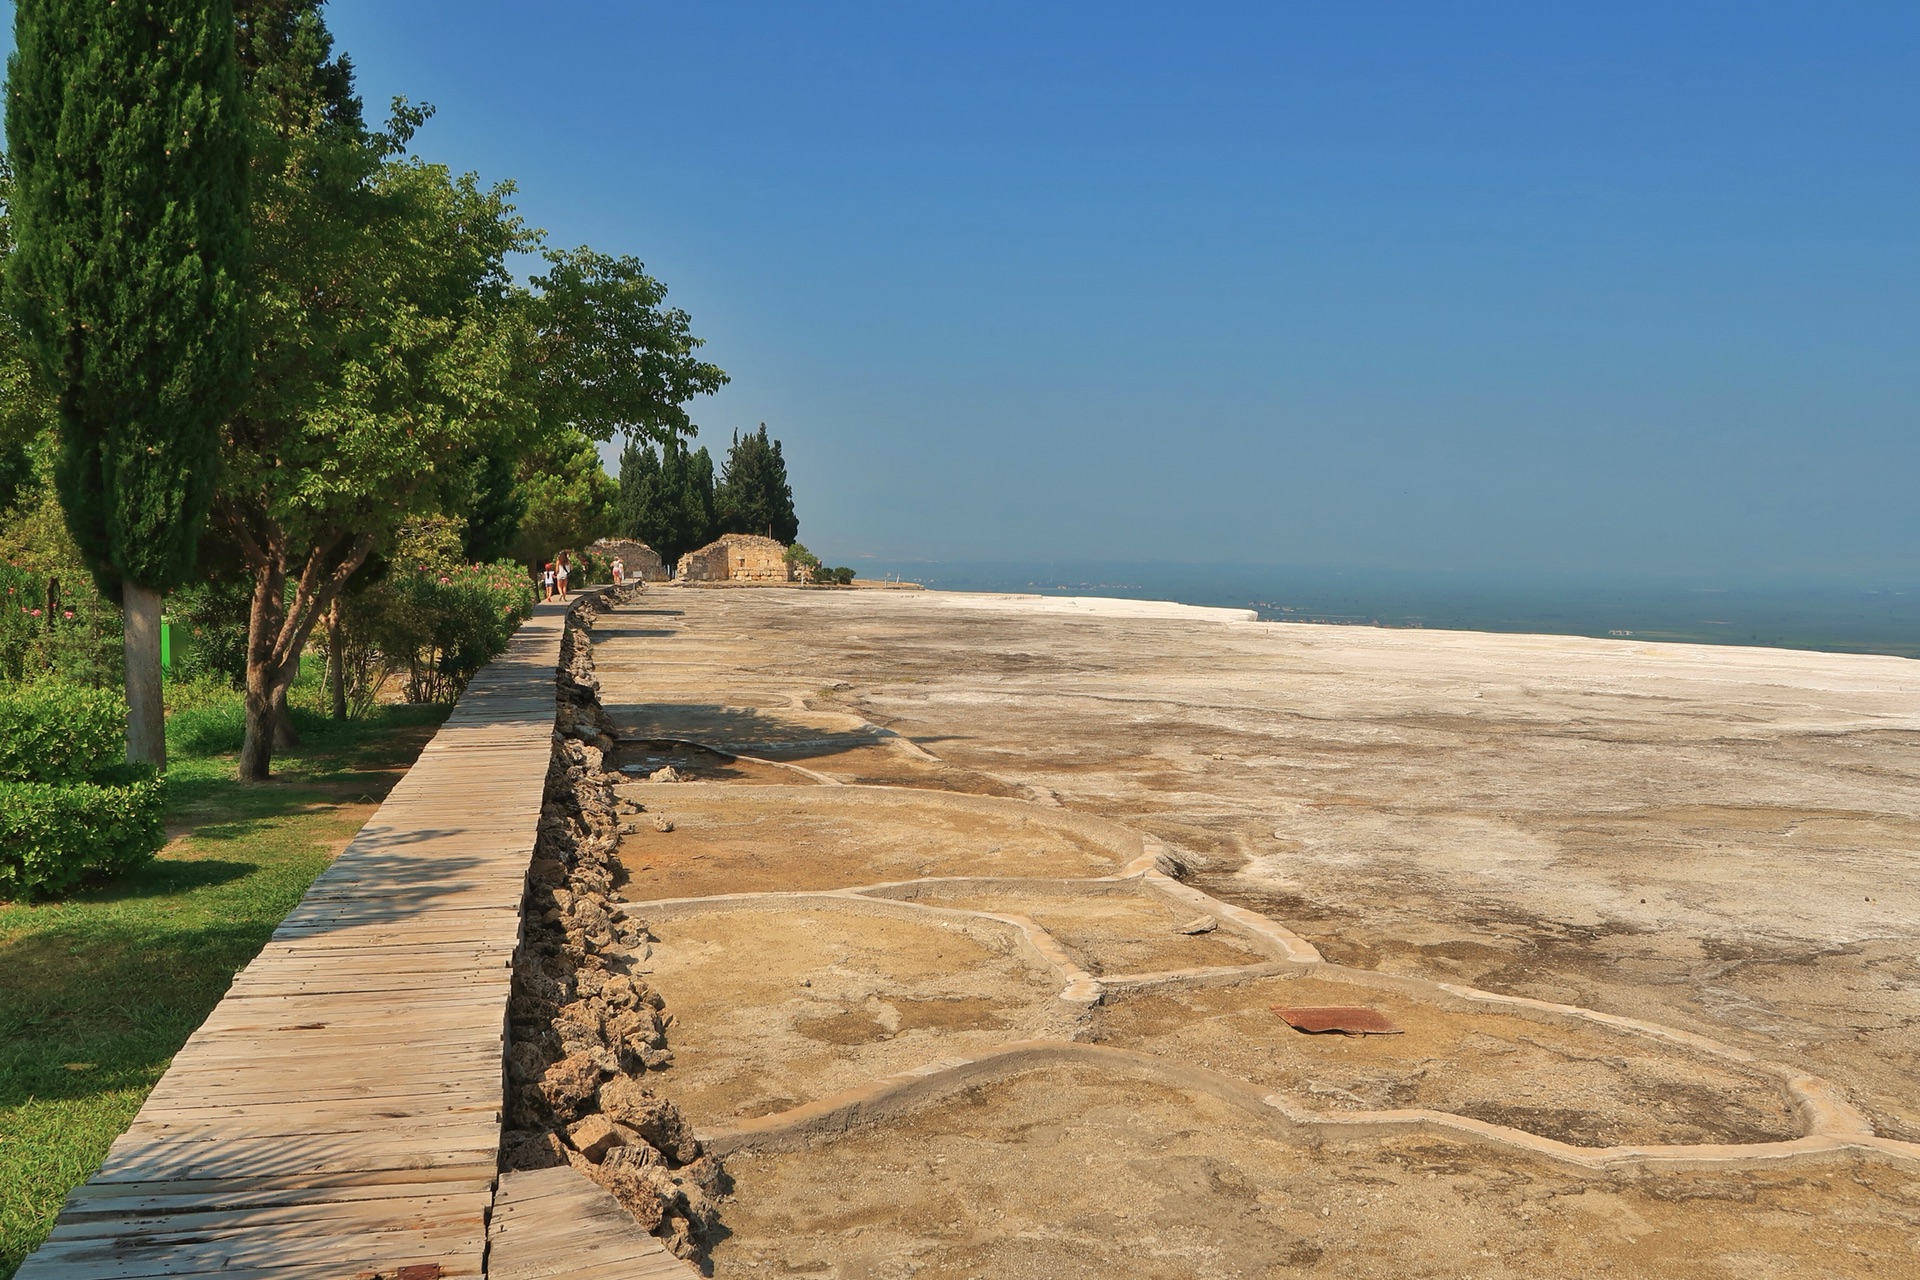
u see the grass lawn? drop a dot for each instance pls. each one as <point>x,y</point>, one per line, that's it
<point>98,991</point>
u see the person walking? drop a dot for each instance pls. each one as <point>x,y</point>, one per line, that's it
<point>560,574</point>
<point>619,571</point>
<point>546,578</point>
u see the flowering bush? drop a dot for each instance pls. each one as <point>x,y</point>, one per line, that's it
<point>71,632</point>
<point>20,593</point>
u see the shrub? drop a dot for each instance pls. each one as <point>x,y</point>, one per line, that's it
<point>803,563</point>
<point>586,567</point>
<point>59,733</point>
<point>53,620</point>
<point>843,576</point>
<point>20,593</point>
<point>53,836</point>
<point>441,628</point>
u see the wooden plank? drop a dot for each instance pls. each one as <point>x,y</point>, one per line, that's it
<point>388,1213</point>
<point>86,1208</point>
<point>554,1223</point>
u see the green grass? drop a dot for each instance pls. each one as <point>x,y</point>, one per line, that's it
<point>99,990</point>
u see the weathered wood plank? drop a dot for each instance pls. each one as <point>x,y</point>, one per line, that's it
<point>554,1223</point>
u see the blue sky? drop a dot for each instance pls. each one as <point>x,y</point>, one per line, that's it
<point>1512,287</point>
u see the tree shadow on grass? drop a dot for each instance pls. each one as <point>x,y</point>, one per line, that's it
<point>168,876</point>
<point>93,1004</point>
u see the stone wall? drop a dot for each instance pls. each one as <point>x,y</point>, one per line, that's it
<point>643,562</point>
<point>737,557</point>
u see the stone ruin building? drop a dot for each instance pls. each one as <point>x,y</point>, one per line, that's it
<point>737,557</point>
<point>643,563</point>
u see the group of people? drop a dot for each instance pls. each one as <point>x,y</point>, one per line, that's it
<point>553,575</point>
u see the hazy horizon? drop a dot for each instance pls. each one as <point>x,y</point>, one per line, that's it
<point>1836,615</point>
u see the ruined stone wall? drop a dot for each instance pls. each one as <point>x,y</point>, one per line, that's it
<point>585,1031</point>
<point>643,562</point>
<point>737,557</point>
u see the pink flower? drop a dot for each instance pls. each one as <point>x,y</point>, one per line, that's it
<point>67,614</point>
<point>36,613</point>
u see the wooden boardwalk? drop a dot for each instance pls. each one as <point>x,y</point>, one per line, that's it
<point>553,1224</point>
<point>338,1114</point>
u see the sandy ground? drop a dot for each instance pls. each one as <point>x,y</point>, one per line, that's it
<point>1722,841</point>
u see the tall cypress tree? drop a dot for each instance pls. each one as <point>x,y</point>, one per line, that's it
<point>753,495</point>
<point>129,145</point>
<point>666,497</point>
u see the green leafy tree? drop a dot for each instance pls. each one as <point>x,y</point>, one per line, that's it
<point>400,371</point>
<point>609,357</point>
<point>125,125</point>
<point>753,495</point>
<point>570,499</point>
<point>413,365</point>
<point>387,331</point>
<point>666,497</point>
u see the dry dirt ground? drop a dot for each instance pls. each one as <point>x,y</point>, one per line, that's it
<point>1716,848</point>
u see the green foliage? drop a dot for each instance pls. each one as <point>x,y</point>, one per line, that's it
<point>210,631</point>
<point>76,635</point>
<point>26,411</point>
<point>16,470</point>
<point>391,354</point>
<point>55,836</point>
<point>798,557</point>
<point>442,627</point>
<point>666,498</point>
<point>495,505</point>
<point>67,809</point>
<point>59,733</point>
<point>286,59</point>
<point>571,500</point>
<point>204,718</point>
<point>127,133</point>
<point>609,357</point>
<point>430,545</point>
<point>52,623</point>
<point>754,495</point>
<point>20,594</point>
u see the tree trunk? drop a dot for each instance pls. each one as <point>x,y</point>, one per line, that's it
<point>146,713</point>
<point>277,631</point>
<point>256,749</point>
<point>285,736</point>
<point>336,662</point>
<point>263,625</point>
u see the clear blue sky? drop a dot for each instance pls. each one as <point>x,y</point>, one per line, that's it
<point>1504,286</point>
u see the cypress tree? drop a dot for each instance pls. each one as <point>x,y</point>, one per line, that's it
<point>753,495</point>
<point>129,145</point>
<point>666,497</point>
